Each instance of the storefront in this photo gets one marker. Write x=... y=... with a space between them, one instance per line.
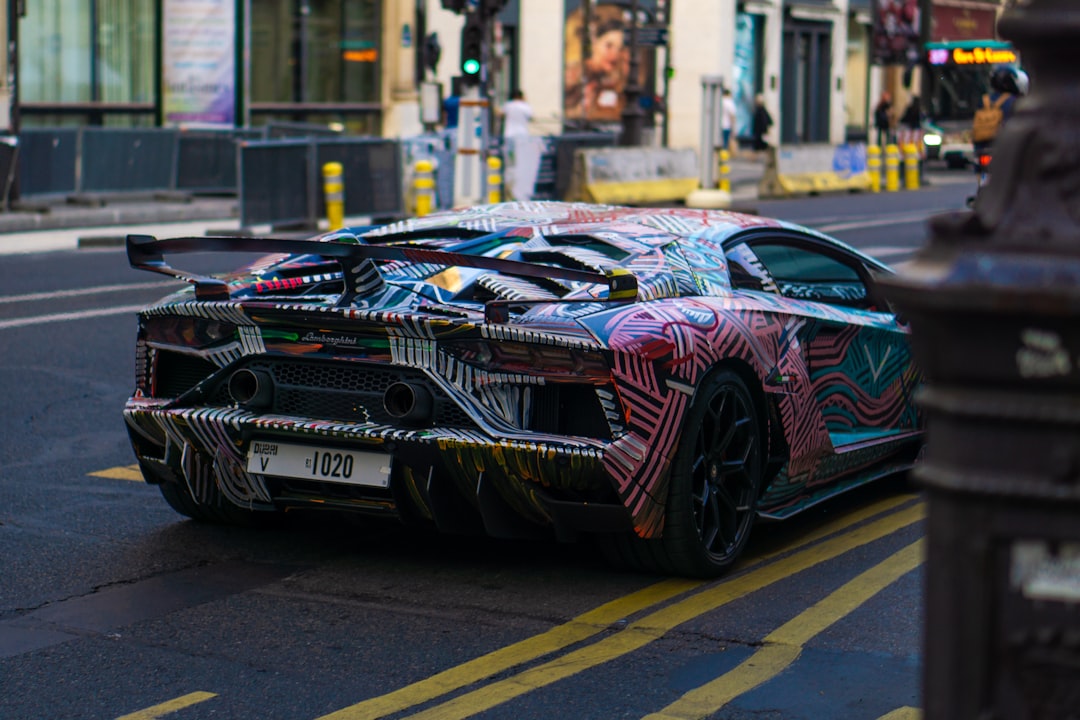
x=131 y=63
x=807 y=69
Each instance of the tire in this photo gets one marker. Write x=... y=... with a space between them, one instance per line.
x=715 y=480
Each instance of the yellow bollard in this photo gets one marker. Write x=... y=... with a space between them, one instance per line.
x=334 y=192
x=911 y=167
x=873 y=167
x=424 y=187
x=892 y=168
x=494 y=179
x=725 y=171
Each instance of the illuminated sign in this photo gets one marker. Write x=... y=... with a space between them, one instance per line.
x=369 y=55
x=971 y=56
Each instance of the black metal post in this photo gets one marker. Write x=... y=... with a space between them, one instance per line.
x=633 y=116
x=994 y=306
x=15 y=11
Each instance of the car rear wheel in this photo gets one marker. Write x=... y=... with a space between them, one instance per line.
x=715 y=479
x=714 y=486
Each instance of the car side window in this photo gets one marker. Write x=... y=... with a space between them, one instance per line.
x=803 y=273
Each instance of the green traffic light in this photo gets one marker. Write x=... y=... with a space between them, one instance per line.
x=471 y=66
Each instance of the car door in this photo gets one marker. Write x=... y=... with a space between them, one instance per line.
x=857 y=353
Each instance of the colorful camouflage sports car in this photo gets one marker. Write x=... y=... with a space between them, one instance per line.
x=657 y=377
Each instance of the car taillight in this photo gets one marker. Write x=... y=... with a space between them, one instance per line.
x=189 y=332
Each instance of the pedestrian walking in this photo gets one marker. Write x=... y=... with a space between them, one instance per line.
x=521 y=152
x=516 y=115
x=761 y=123
x=883 y=120
x=727 y=118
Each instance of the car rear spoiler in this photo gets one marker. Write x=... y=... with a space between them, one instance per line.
x=146 y=252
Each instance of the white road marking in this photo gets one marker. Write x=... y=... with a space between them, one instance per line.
x=66 y=317
x=902 y=219
x=55 y=294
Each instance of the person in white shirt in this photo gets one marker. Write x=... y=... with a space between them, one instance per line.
x=516 y=116
x=522 y=153
x=727 y=118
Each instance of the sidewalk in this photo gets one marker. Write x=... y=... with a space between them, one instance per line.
x=61 y=225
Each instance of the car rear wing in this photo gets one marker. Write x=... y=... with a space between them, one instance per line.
x=146 y=252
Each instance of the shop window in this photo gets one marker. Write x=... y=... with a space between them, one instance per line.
x=87 y=52
x=315 y=51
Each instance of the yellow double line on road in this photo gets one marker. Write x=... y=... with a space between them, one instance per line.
x=636 y=635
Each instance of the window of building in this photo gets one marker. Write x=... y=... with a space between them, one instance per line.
x=316 y=61
x=87 y=62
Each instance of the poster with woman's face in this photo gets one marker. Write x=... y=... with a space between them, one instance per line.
x=896 y=31
x=593 y=83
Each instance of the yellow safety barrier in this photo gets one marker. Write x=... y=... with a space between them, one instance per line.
x=725 y=171
x=334 y=192
x=494 y=179
x=873 y=167
x=424 y=187
x=892 y=168
x=911 y=167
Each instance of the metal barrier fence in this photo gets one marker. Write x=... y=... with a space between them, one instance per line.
x=48 y=161
x=206 y=159
x=277 y=179
x=9 y=153
x=280 y=179
x=127 y=160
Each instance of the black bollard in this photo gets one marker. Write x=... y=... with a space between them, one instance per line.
x=994 y=306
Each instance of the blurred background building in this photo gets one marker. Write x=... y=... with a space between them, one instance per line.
x=357 y=65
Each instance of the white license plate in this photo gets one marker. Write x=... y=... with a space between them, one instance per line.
x=309 y=462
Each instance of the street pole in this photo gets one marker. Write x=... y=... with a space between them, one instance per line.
x=15 y=11
x=586 y=52
x=632 y=114
x=994 y=306
x=668 y=71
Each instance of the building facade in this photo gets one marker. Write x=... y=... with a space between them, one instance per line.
x=356 y=64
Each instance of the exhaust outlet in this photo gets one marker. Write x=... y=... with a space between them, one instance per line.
x=408 y=402
x=251 y=388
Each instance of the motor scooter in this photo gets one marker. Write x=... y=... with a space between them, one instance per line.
x=982 y=172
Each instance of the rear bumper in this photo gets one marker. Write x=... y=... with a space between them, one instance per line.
x=462 y=480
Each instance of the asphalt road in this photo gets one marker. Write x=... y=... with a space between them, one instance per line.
x=112 y=605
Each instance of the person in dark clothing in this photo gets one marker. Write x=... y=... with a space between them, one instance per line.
x=912 y=118
x=883 y=120
x=761 y=124
x=1007 y=84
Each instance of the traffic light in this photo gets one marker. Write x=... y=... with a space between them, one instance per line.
x=472 y=49
x=491 y=8
x=431 y=52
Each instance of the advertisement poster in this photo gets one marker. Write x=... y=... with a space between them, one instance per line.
x=748 y=30
x=199 y=62
x=593 y=85
x=896 y=32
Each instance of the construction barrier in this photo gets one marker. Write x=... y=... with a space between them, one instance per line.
x=334 y=192
x=911 y=167
x=424 y=187
x=873 y=167
x=633 y=175
x=892 y=168
x=812 y=169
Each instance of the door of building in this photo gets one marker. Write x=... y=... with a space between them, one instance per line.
x=804 y=93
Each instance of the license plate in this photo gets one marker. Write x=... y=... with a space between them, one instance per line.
x=308 y=462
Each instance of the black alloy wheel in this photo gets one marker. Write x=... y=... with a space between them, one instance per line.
x=715 y=479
